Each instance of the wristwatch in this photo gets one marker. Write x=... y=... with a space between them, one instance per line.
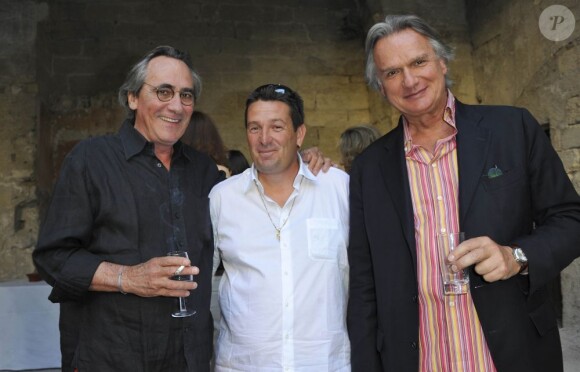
x=520 y=258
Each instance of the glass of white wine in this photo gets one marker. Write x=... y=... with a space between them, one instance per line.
x=182 y=309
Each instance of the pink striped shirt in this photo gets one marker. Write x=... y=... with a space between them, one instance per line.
x=450 y=334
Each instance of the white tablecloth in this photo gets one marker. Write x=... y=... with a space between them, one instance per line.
x=29 y=336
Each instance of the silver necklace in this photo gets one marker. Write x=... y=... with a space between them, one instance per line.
x=278 y=229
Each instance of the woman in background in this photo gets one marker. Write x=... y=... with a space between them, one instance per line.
x=353 y=141
x=202 y=134
x=237 y=162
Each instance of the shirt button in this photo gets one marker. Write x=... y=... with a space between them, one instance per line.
x=434 y=165
x=443 y=230
x=439 y=197
x=414 y=345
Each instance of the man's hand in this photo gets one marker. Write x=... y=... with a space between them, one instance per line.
x=316 y=160
x=149 y=279
x=153 y=278
x=493 y=261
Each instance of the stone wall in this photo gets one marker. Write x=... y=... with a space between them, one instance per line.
x=18 y=112
x=312 y=46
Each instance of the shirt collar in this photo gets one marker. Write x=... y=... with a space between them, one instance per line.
x=303 y=172
x=448 y=117
x=134 y=143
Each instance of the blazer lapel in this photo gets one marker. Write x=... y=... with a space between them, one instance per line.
x=394 y=172
x=472 y=148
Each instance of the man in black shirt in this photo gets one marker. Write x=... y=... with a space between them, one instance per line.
x=120 y=204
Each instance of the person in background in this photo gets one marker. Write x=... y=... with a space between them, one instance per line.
x=488 y=171
x=281 y=233
x=203 y=135
x=353 y=141
x=237 y=162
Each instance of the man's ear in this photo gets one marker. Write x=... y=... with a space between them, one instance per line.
x=443 y=66
x=133 y=101
x=382 y=90
x=300 y=135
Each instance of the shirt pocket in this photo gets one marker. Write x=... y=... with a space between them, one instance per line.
x=324 y=238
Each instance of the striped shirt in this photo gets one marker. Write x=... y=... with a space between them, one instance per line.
x=450 y=334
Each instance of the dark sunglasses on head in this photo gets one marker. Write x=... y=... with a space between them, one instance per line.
x=278 y=88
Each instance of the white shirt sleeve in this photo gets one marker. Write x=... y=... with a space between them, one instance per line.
x=214 y=210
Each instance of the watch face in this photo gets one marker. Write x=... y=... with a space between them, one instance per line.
x=520 y=256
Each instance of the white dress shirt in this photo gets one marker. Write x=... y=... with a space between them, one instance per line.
x=283 y=302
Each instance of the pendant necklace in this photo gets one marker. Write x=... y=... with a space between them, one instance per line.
x=278 y=229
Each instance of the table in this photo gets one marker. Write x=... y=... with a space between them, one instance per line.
x=29 y=336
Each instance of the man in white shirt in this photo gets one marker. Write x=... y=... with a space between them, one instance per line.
x=282 y=234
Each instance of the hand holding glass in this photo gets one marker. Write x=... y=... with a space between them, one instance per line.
x=454 y=283
x=182 y=310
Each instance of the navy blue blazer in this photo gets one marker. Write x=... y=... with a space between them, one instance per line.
x=533 y=205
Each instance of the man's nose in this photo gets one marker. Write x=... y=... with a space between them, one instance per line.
x=175 y=103
x=265 y=136
x=409 y=79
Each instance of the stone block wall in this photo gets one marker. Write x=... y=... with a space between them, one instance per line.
x=18 y=113
x=314 y=47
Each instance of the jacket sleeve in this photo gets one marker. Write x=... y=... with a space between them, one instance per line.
x=555 y=241
x=60 y=255
x=362 y=306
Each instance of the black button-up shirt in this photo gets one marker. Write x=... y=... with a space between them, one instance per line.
x=114 y=201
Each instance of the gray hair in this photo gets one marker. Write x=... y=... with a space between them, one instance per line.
x=138 y=73
x=398 y=23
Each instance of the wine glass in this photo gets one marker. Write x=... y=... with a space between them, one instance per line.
x=182 y=310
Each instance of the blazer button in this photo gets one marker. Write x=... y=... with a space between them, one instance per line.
x=414 y=345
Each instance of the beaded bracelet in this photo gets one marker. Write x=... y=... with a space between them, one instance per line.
x=120 y=280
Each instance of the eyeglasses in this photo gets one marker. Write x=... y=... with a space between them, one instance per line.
x=165 y=94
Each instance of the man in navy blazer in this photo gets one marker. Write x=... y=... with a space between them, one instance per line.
x=515 y=203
